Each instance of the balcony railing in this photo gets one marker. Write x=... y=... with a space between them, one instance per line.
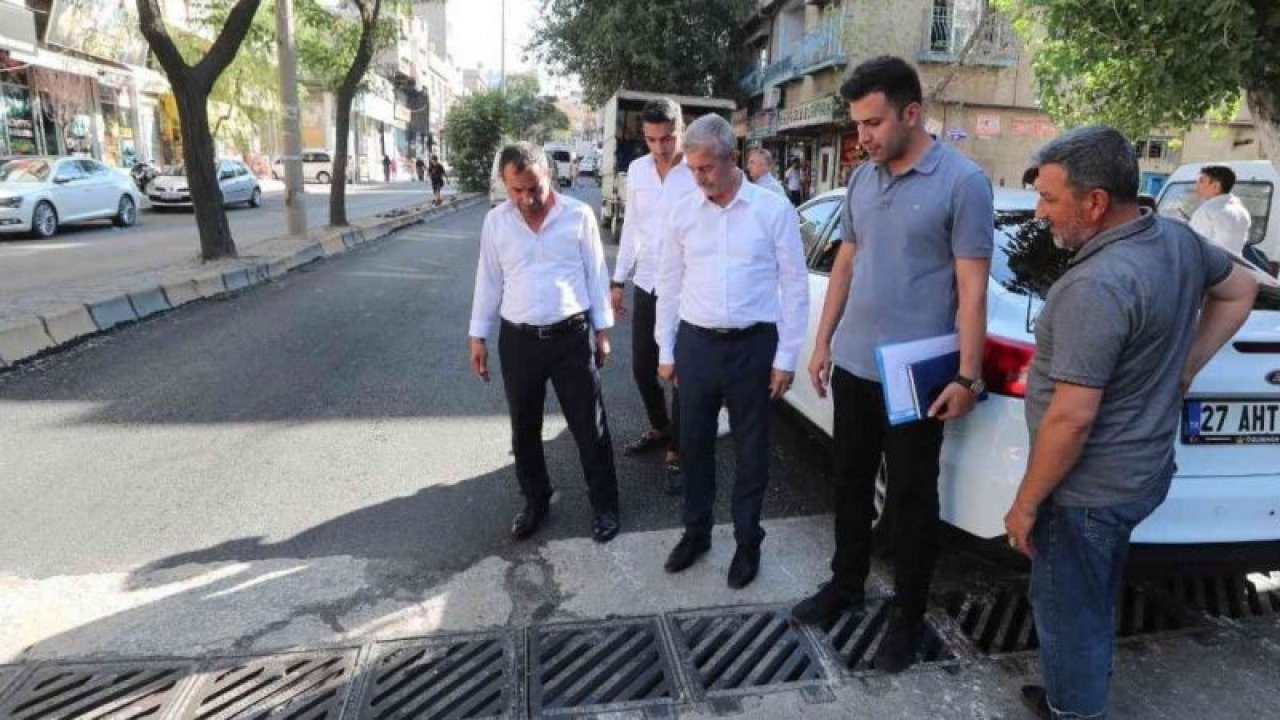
x=753 y=82
x=779 y=71
x=948 y=28
x=820 y=46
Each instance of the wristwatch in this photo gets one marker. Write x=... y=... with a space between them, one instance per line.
x=977 y=387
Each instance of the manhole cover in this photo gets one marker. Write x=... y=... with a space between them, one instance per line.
x=611 y=664
x=855 y=635
x=124 y=691
x=735 y=650
x=309 y=686
x=443 y=678
x=1238 y=597
x=999 y=620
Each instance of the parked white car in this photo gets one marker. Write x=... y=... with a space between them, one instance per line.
x=317 y=166
x=1225 y=497
x=169 y=188
x=37 y=194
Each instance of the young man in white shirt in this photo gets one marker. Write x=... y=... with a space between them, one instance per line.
x=1221 y=218
x=760 y=170
x=795 y=182
x=733 y=299
x=654 y=183
x=543 y=281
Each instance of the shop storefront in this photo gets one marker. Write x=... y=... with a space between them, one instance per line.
x=19 y=132
x=812 y=132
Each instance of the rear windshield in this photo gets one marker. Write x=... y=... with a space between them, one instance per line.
x=1025 y=260
x=1179 y=200
x=560 y=155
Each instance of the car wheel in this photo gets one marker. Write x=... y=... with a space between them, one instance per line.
x=255 y=199
x=126 y=212
x=322 y=177
x=44 y=220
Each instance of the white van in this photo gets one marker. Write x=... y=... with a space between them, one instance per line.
x=498 y=190
x=1257 y=184
x=317 y=166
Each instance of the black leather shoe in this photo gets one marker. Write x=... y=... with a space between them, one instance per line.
x=689 y=549
x=672 y=479
x=897 y=650
x=745 y=565
x=1034 y=697
x=647 y=442
x=528 y=520
x=824 y=607
x=605 y=527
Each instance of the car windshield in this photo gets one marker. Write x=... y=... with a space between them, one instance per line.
x=176 y=170
x=25 y=170
x=1025 y=260
x=1179 y=201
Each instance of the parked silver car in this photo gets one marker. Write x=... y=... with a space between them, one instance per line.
x=39 y=193
x=169 y=189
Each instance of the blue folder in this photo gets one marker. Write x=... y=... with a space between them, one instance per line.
x=928 y=377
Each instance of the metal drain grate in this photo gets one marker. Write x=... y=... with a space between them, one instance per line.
x=1239 y=597
x=292 y=687
x=729 y=651
x=999 y=620
x=591 y=666
x=96 y=692
x=446 y=678
x=856 y=634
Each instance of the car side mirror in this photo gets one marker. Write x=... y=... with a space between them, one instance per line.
x=61 y=180
x=226 y=176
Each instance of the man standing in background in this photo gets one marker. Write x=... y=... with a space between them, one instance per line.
x=1221 y=217
x=760 y=170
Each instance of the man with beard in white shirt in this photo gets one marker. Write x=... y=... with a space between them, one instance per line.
x=542 y=280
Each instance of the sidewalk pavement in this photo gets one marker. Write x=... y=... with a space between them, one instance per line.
x=81 y=312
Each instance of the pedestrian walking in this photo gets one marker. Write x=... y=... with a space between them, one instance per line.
x=912 y=264
x=437 y=172
x=543 y=284
x=1120 y=338
x=760 y=170
x=386 y=168
x=733 y=301
x=1221 y=218
x=794 y=179
x=420 y=167
x=655 y=182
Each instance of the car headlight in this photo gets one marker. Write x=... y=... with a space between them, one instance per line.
x=11 y=202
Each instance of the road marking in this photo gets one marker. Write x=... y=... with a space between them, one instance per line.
x=20 y=250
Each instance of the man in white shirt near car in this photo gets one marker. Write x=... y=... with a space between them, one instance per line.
x=1221 y=217
x=733 y=302
x=542 y=282
x=654 y=183
x=760 y=170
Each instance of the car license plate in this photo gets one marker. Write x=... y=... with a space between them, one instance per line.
x=1211 y=422
x=170 y=195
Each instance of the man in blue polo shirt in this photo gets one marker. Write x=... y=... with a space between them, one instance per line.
x=917 y=249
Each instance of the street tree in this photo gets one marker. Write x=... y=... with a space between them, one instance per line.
x=478 y=123
x=366 y=43
x=192 y=83
x=1159 y=63
x=688 y=47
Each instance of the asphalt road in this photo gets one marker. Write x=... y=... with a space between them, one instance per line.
x=85 y=252
x=331 y=413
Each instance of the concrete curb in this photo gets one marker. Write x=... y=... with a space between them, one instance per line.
x=49 y=331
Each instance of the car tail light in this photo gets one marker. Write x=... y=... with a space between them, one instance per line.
x=1005 y=366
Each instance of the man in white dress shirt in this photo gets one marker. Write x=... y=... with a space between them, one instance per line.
x=733 y=301
x=760 y=169
x=543 y=283
x=1221 y=218
x=654 y=182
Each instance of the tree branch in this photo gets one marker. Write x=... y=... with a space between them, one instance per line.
x=151 y=23
x=224 y=49
x=984 y=17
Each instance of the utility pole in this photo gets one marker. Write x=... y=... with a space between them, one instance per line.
x=294 y=200
x=503 y=82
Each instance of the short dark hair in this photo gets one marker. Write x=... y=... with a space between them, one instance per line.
x=663 y=110
x=522 y=156
x=1096 y=157
x=1225 y=176
x=886 y=74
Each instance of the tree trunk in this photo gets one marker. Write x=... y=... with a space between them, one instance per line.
x=202 y=174
x=1264 y=106
x=369 y=11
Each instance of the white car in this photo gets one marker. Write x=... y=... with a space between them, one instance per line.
x=169 y=188
x=1225 y=497
x=317 y=166
x=37 y=194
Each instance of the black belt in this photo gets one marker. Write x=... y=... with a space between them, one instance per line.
x=730 y=332
x=542 y=332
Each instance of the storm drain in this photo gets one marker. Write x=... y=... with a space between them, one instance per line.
x=442 y=679
x=730 y=651
x=999 y=620
x=614 y=664
x=856 y=634
x=288 y=687
x=96 y=692
x=1238 y=597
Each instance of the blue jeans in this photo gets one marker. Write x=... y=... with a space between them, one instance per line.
x=1080 y=557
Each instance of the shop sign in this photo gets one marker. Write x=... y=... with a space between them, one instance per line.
x=988 y=125
x=1021 y=127
x=1045 y=128
x=955 y=134
x=815 y=112
x=102 y=29
x=761 y=125
x=739 y=120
